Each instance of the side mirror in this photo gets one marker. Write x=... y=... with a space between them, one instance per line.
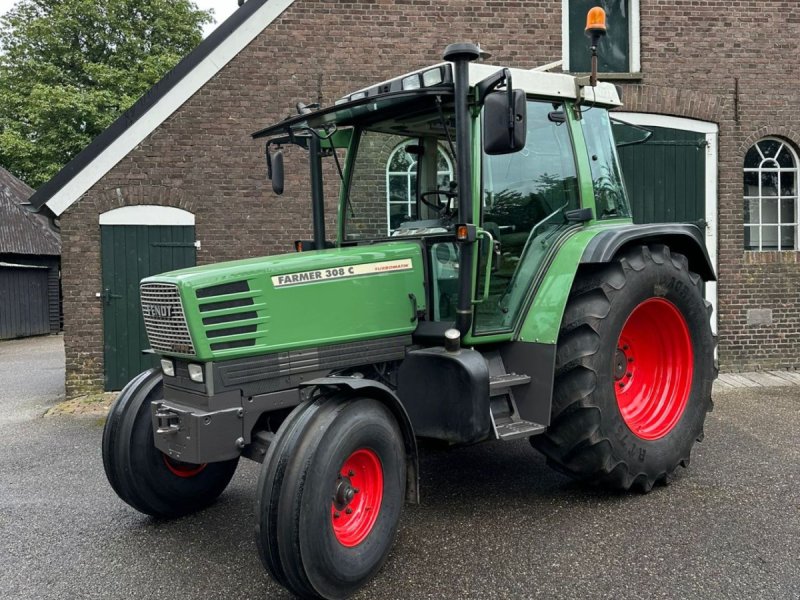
x=505 y=122
x=276 y=164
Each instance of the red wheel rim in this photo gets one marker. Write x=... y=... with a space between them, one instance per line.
x=182 y=469
x=653 y=369
x=357 y=497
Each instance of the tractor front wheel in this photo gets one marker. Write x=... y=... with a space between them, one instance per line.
x=634 y=370
x=140 y=474
x=330 y=494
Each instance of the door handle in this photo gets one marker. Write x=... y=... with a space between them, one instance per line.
x=107 y=296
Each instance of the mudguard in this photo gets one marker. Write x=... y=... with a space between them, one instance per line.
x=380 y=392
x=680 y=237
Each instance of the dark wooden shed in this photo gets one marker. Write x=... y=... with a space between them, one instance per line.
x=30 y=256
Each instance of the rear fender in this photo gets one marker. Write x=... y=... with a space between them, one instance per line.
x=684 y=238
x=380 y=392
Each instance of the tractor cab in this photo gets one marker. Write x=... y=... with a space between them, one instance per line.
x=526 y=141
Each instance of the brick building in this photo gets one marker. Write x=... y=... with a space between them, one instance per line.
x=715 y=79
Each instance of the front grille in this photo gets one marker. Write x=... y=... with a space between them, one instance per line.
x=164 y=319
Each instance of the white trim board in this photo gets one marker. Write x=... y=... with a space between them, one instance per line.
x=172 y=101
x=145 y=214
x=711 y=131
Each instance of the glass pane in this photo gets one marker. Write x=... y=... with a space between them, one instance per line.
x=769 y=237
x=788 y=184
x=769 y=211
x=769 y=184
x=787 y=210
x=785 y=158
x=769 y=148
x=751 y=211
x=751 y=238
x=788 y=235
x=609 y=192
x=441 y=163
x=753 y=159
x=442 y=181
x=613 y=49
x=444 y=266
x=399 y=214
x=398 y=188
x=751 y=184
x=401 y=160
x=525 y=196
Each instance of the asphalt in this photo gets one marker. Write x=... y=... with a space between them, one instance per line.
x=495 y=521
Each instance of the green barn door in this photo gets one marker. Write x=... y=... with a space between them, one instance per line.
x=130 y=253
x=666 y=177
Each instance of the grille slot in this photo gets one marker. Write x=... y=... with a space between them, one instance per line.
x=240 y=311
x=164 y=319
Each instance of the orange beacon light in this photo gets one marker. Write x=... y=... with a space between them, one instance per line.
x=595 y=29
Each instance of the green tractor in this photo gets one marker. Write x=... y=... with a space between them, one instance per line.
x=486 y=282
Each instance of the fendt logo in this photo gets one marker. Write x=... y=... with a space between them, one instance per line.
x=157 y=311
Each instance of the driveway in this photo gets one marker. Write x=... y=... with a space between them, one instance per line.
x=495 y=521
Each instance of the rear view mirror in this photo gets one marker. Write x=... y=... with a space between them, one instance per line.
x=505 y=122
x=277 y=172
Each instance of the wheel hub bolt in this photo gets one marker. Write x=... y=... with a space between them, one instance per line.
x=336 y=515
x=629 y=374
x=351 y=473
x=356 y=490
x=349 y=511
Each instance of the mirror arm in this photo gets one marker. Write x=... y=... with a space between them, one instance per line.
x=269 y=160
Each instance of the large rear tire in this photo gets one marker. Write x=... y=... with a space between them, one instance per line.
x=143 y=476
x=330 y=495
x=634 y=370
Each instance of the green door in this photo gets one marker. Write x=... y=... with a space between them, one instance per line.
x=130 y=253
x=666 y=177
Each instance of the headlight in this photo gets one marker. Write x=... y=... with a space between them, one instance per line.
x=168 y=367
x=432 y=77
x=196 y=373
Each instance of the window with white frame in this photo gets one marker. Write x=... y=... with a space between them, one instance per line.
x=770 y=196
x=401 y=183
x=618 y=51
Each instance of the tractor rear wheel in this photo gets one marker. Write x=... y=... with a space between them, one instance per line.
x=634 y=370
x=330 y=494
x=141 y=475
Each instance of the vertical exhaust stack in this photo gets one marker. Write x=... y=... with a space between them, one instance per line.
x=461 y=54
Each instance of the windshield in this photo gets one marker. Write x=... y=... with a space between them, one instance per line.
x=402 y=177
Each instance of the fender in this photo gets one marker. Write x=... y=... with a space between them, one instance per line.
x=684 y=238
x=378 y=391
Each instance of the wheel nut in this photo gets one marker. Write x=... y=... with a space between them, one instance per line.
x=629 y=374
x=630 y=359
x=349 y=511
x=356 y=490
x=625 y=347
x=351 y=473
x=621 y=384
x=336 y=515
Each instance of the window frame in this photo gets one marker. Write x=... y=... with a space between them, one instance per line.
x=408 y=174
x=635 y=41
x=760 y=197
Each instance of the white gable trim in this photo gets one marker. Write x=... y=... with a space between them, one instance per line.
x=146 y=214
x=172 y=101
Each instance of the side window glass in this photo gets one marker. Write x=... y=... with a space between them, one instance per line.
x=609 y=190
x=525 y=195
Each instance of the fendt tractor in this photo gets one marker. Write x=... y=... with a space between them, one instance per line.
x=486 y=282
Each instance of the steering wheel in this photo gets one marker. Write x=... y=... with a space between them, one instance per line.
x=442 y=210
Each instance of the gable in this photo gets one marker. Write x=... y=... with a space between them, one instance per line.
x=157 y=105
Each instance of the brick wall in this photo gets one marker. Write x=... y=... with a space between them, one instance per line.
x=202 y=158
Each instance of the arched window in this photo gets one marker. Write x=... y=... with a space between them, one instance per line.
x=770 y=196
x=401 y=183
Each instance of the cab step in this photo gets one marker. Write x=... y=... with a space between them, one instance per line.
x=500 y=383
x=513 y=430
x=506 y=422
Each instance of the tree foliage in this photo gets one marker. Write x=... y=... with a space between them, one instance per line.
x=68 y=68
